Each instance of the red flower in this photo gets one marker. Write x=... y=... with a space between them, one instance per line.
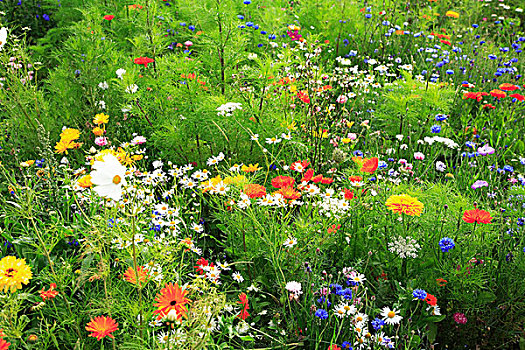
x=303 y=96
x=245 y=307
x=356 y=178
x=143 y=60
x=370 y=165
x=327 y=180
x=477 y=215
x=441 y=282
x=200 y=264
x=508 y=87
x=348 y=194
x=488 y=106
x=431 y=300
x=518 y=97
x=300 y=166
x=171 y=297
x=333 y=228
x=318 y=178
x=446 y=42
x=334 y=347
x=101 y=326
x=49 y=294
x=308 y=175
x=282 y=181
x=289 y=192
x=4 y=345
x=255 y=190
x=498 y=93
x=109 y=17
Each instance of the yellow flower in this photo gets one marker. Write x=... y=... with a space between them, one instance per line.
x=235 y=180
x=13 y=272
x=346 y=140
x=101 y=118
x=85 y=181
x=404 y=204
x=69 y=134
x=250 y=168
x=62 y=146
x=98 y=131
x=452 y=14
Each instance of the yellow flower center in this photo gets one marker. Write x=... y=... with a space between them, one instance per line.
x=116 y=179
x=391 y=314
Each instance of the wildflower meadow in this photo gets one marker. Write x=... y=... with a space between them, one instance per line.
x=258 y=174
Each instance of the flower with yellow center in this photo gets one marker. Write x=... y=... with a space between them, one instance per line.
x=391 y=316
x=98 y=131
x=101 y=118
x=69 y=134
x=452 y=14
x=13 y=273
x=404 y=204
x=85 y=181
x=108 y=177
x=250 y=168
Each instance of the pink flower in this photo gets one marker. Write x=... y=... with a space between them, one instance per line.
x=342 y=99
x=419 y=156
x=352 y=136
x=101 y=141
x=188 y=43
x=460 y=318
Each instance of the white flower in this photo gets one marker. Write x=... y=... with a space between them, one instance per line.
x=391 y=316
x=138 y=140
x=440 y=166
x=294 y=287
x=237 y=277
x=404 y=247
x=252 y=56
x=290 y=242
x=131 y=89
x=120 y=72
x=108 y=177
x=3 y=37
x=254 y=137
x=272 y=140
x=103 y=85
x=228 y=108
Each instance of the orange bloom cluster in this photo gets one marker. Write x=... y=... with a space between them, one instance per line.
x=478 y=96
x=140 y=276
x=254 y=190
x=289 y=192
x=101 y=327
x=282 y=181
x=404 y=204
x=477 y=215
x=49 y=294
x=303 y=96
x=3 y=344
x=368 y=165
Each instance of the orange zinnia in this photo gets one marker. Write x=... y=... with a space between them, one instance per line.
x=404 y=204
x=102 y=326
x=131 y=275
x=289 y=192
x=171 y=297
x=282 y=181
x=508 y=87
x=498 y=93
x=370 y=165
x=477 y=215
x=255 y=190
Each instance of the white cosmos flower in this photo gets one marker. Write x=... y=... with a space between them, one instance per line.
x=108 y=177
x=391 y=316
x=3 y=37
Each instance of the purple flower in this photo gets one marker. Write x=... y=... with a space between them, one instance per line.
x=486 y=150
x=479 y=184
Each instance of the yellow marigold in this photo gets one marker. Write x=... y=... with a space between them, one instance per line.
x=250 y=168
x=235 y=180
x=85 y=181
x=13 y=272
x=69 y=134
x=101 y=118
x=452 y=14
x=404 y=203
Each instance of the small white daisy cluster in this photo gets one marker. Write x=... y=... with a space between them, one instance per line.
x=404 y=247
x=227 y=109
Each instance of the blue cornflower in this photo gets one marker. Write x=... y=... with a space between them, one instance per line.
x=419 y=294
x=441 y=117
x=345 y=293
x=382 y=164
x=322 y=314
x=247 y=2
x=323 y=300
x=40 y=162
x=358 y=153
x=45 y=17
x=347 y=345
x=508 y=168
x=336 y=288
x=446 y=244
x=192 y=27
x=378 y=323
x=368 y=15
x=77 y=72
x=435 y=129
x=449 y=71
x=524 y=249
x=241 y=17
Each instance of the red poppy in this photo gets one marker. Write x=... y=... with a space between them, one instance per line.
x=143 y=60
x=518 y=97
x=498 y=93
x=303 y=96
x=446 y=42
x=245 y=307
x=488 y=106
x=477 y=215
x=255 y=190
x=318 y=178
x=282 y=181
x=508 y=87
x=431 y=300
x=348 y=194
x=370 y=165
x=109 y=17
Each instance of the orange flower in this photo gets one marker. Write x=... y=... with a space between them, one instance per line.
x=477 y=215
x=255 y=190
x=131 y=275
x=49 y=294
x=452 y=14
x=441 y=282
x=289 y=192
x=171 y=297
x=85 y=181
x=98 y=131
x=308 y=175
x=4 y=345
x=370 y=165
x=102 y=326
x=404 y=204
x=518 y=97
x=282 y=181
x=250 y=168
x=508 y=87
x=498 y=93
x=244 y=302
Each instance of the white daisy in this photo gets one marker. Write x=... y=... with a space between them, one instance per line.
x=391 y=316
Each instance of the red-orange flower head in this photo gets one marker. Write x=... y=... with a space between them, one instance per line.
x=4 y=345
x=289 y=192
x=144 y=61
x=49 y=294
x=431 y=300
x=308 y=175
x=508 y=87
x=255 y=190
x=282 y=181
x=370 y=165
x=171 y=297
x=498 y=93
x=245 y=307
x=349 y=194
x=299 y=166
x=518 y=97
x=140 y=276
x=477 y=215
x=109 y=17
x=102 y=326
